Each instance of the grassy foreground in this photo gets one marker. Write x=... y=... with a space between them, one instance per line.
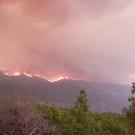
x=18 y=117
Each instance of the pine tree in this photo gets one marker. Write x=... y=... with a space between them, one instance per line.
x=81 y=103
x=83 y=116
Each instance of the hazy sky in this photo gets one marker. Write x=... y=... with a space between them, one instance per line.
x=82 y=39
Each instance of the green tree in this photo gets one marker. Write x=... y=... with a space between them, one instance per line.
x=81 y=104
x=84 y=119
x=80 y=121
x=130 y=112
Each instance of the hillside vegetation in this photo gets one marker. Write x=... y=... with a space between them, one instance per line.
x=80 y=121
x=19 y=117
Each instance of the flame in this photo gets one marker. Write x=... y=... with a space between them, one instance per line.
x=18 y=73
x=28 y=75
x=15 y=73
x=58 y=79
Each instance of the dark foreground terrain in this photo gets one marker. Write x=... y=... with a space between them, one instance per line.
x=21 y=117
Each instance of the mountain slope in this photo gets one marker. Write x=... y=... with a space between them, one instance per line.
x=102 y=97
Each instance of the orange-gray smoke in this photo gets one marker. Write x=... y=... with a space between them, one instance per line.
x=82 y=39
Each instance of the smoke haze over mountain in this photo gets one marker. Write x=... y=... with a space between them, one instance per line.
x=82 y=39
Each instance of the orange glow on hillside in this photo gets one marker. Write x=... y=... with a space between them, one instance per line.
x=58 y=78
x=53 y=79
x=27 y=74
x=16 y=73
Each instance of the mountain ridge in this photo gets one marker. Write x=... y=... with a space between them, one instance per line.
x=102 y=97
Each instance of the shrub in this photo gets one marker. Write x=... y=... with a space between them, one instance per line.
x=80 y=121
x=17 y=117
